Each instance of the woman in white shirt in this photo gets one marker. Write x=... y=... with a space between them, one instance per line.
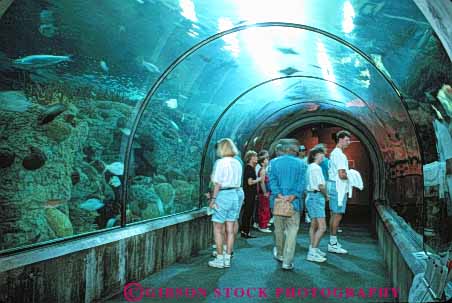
x=226 y=199
x=315 y=203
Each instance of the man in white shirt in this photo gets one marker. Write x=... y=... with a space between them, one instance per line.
x=337 y=172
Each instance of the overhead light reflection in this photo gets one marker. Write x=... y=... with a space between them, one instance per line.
x=232 y=42
x=349 y=14
x=327 y=68
x=188 y=10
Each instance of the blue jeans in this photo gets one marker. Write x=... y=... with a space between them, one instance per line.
x=228 y=203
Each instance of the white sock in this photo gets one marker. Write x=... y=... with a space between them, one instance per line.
x=333 y=239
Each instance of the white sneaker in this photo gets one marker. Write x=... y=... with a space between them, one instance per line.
x=307 y=219
x=287 y=266
x=214 y=252
x=275 y=254
x=321 y=253
x=255 y=225
x=313 y=257
x=227 y=260
x=218 y=262
x=271 y=221
x=265 y=230
x=336 y=248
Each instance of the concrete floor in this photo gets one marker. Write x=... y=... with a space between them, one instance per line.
x=254 y=267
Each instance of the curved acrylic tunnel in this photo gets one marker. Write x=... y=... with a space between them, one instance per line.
x=400 y=148
x=108 y=125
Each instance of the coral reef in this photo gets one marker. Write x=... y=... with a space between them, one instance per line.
x=59 y=222
x=66 y=142
x=6 y=157
x=35 y=159
x=51 y=112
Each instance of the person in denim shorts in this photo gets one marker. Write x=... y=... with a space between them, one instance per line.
x=337 y=173
x=226 y=200
x=315 y=203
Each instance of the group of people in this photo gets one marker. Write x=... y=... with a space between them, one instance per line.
x=305 y=182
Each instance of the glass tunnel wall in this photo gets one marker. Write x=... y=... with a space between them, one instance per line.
x=67 y=115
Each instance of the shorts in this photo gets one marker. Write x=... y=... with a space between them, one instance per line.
x=315 y=204
x=228 y=203
x=331 y=186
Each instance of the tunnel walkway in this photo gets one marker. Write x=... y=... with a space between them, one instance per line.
x=254 y=267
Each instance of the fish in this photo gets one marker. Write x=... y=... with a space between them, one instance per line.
x=287 y=51
x=355 y=103
x=92 y=204
x=116 y=168
x=111 y=222
x=46 y=17
x=365 y=83
x=53 y=203
x=365 y=73
x=205 y=58
x=51 y=112
x=114 y=181
x=171 y=103
x=104 y=66
x=289 y=71
x=346 y=60
x=312 y=107
x=174 y=125
x=150 y=67
x=125 y=131
x=35 y=61
x=14 y=101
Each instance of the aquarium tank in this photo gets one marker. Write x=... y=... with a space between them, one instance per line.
x=110 y=109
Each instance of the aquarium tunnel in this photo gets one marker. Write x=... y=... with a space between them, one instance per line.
x=110 y=111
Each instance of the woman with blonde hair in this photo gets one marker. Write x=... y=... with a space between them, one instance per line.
x=226 y=199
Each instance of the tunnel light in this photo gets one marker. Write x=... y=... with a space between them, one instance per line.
x=270 y=10
x=349 y=14
x=188 y=10
x=231 y=40
x=327 y=69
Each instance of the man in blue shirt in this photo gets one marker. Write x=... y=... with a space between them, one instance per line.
x=287 y=180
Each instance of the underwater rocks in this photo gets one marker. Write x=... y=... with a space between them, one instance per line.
x=167 y=193
x=59 y=222
x=75 y=177
x=51 y=112
x=184 y=192
x=6 y=158
x=175 y=174
x=58 y=131
x=35 y=160
x=145 y=203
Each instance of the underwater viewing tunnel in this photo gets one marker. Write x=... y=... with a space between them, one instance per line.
x=110 y=112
